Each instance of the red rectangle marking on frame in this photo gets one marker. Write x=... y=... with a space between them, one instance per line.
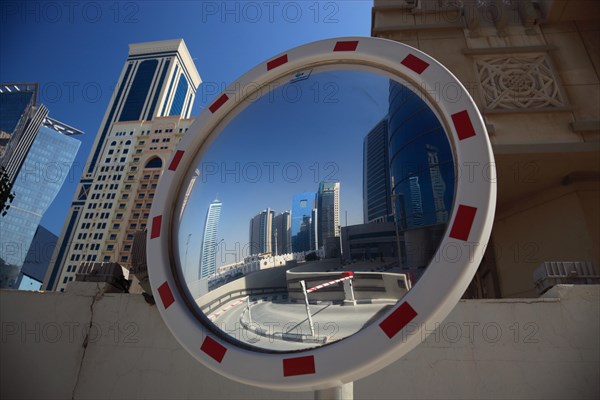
x=217 y=104
x=176 y=159
x=398 y=319
x=465 y=215
x=463 y=125
x=214 y=349
x=166 y=296
x=277 y=62
x=346 y=46
x=299 y=366
x=415 y=63
x=156 y=224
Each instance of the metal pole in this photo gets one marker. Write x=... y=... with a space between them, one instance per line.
x=248 y=308
x=343 y=392
x=310 y=321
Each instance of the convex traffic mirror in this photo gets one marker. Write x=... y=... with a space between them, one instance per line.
x=317 y=217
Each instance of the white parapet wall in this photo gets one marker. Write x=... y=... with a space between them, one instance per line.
x=114 y=346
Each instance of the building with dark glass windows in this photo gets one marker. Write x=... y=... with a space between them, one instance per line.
x=303 y=223
x=328 y=211
x=421 y=174
x=37 y=153
x=377 y=206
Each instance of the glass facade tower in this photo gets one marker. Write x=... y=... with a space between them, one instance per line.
x=302 y=222
x=422 y=175
x=40 y=177
x=328 y=211
x=208 y=256
x=377 y=206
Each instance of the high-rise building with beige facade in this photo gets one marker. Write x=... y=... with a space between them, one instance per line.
x=145 y=119
x=533 y=68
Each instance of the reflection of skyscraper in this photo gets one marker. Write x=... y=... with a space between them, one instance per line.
x=328 y=211
x=438 y=186
x=282 y=227
x=377 y=205
x=302 y=208
x=261 y=232
x=208 y=256
x=421 y=163
x=416 y=202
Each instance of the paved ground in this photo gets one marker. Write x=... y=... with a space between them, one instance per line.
x=280 y=325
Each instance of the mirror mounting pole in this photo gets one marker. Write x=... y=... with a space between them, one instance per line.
x=342 y=392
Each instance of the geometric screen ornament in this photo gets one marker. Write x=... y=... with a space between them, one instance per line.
x=518 y=82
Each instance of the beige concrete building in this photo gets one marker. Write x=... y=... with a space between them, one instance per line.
x=533 y=69
x=146 y=117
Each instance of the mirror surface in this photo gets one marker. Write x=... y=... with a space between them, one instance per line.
x=315 y=209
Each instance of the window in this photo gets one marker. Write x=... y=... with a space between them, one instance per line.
x=154 y=162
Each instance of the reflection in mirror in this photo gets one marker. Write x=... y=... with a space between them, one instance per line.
x=315 y=209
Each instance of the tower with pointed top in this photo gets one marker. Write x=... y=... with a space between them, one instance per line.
x=208 y=256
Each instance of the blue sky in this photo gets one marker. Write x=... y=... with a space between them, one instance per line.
x=281 y=145
x=75 y=50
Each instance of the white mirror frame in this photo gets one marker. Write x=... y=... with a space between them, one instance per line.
x=416 y=314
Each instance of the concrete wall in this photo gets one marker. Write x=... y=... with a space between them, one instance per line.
x=115 y=346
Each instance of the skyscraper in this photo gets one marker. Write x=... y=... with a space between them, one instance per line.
x=328 y=211
x=377 y=206
x=302 y=210
x=438 y=186
x=416 y=202
x=144 y=120
x=208 y=256
x=37 y=153
x=261 y=232
x=282 y=229
x=421 y=163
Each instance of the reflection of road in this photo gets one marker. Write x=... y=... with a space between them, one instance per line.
x=280 y=325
